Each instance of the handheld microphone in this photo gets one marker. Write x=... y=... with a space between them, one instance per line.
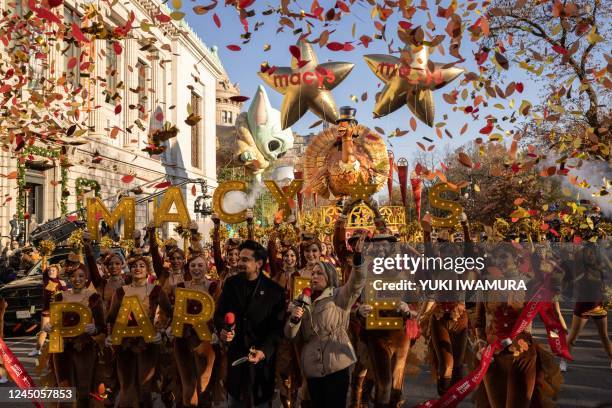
x=229 y=322
x=302 y=300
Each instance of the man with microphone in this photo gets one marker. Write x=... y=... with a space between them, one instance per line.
x=249 y=318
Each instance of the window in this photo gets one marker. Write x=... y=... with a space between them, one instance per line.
x=72 y=54
x=143 y=75
x=227 y=117
x=196 y=102
x=112 y=72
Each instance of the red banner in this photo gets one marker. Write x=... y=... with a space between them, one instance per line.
x=402 y=175
x=417 y=191
x=16 y=371
x=300 y=197
x=463 y=388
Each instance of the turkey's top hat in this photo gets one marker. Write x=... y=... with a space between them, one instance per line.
x=347 y=113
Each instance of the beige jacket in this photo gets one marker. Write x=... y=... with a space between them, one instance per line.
x=324 y=328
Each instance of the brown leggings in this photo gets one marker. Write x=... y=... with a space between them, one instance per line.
x=388 y=352
x=288 y=377
x=449 y=340
x=194 y=361
x=136 y=372
x=76 y=368
x=510 y=380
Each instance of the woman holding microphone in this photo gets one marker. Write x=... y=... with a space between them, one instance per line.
x=327 y=353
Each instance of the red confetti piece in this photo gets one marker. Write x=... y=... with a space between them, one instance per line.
x=519 y=87
x=348 y=47
x=163 y=18
x=78 y=34
x=335 y=46
x=193 y=190
x=481 y=57
x=117 y=48
x=48 y=15
x=163 y=185
x=217 y=20
x=118 y=109
x=128 y=178
x=239 y=98
x=559 y=50
x=72 y=62
x=245 y=3
x=295 y=51
x=233 y=47
x=365 y=40
x=55 y=3
x=5 y=88
x=487 y=129
x=404 y=25
x=343 y=6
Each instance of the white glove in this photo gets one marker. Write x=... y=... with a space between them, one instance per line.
x=404 y=308
x=364 y=310
x=47 y=327
x=157 y=339
x=464 y=217
x=169 y=333
x=214 y=339
x=90 y=329
x=108 y=342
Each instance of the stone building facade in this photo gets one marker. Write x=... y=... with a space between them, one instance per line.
x=160 y=71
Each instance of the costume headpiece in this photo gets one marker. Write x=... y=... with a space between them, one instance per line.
x=347 y=113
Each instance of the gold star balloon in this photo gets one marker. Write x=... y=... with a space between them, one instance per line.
x=410 y=83
x=306 y=85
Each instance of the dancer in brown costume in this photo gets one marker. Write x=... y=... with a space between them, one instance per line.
x=195 y=358
x=76 y=365
x=137 y=360
x=523 y=374
x=168 y=277
x=448 y=321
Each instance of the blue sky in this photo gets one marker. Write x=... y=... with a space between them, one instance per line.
x=243 y=66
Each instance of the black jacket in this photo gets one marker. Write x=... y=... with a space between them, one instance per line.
x=259 y=323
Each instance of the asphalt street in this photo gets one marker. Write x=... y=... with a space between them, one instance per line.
x=587 y=383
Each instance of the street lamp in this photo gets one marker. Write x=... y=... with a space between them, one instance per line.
x=203 y=203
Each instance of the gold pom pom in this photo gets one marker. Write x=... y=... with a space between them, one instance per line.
x=46 y=247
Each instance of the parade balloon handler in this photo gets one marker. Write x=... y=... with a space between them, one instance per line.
x=258 y=304
x=327 y=353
